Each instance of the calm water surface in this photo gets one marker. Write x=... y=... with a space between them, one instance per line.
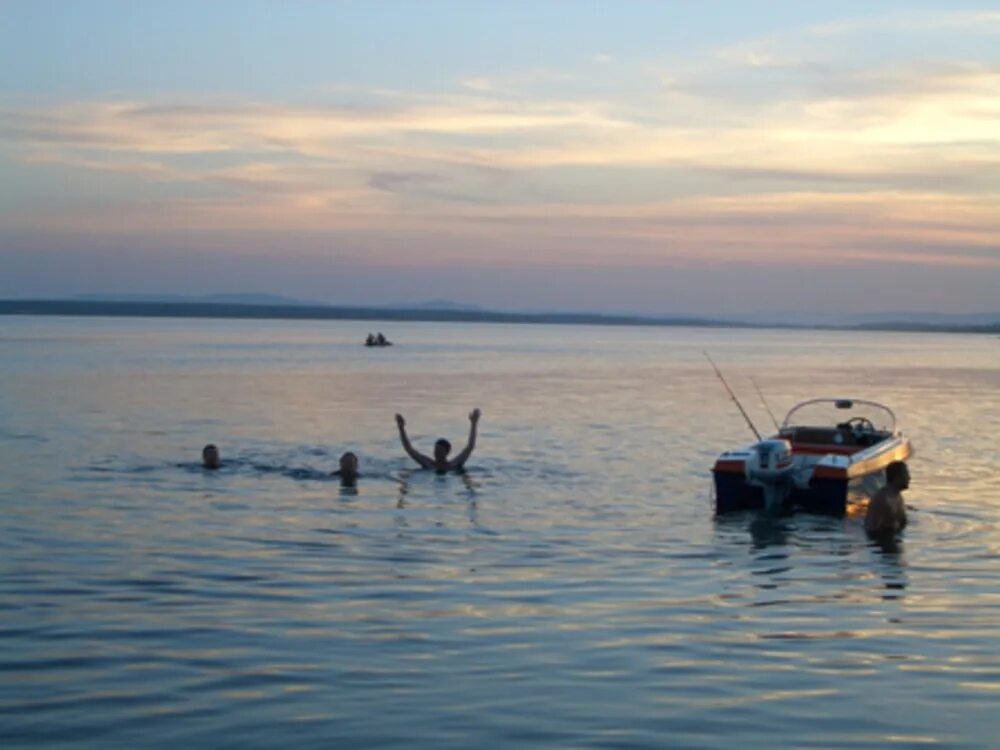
x=572 y=590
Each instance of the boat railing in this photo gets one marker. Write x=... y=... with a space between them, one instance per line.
x=850 y=406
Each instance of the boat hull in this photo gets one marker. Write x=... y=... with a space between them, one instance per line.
x=825 y=496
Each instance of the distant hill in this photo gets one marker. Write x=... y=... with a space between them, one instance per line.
x=928 y=318
x=888 y=318
x=221 y=299
x=441 y=304
x=258 y=299
x=189 y=308
x=245 y=307
x=274 y=300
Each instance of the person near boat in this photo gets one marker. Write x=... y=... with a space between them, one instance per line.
x=440 y=462
x=886 y=511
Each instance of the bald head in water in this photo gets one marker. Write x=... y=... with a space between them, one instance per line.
x=210 y=457
x=441 y=450
x=348 y=471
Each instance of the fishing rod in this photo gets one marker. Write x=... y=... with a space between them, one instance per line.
x=732 y=395
x=763 y=401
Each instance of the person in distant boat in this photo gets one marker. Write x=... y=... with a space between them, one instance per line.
x=886 y=513
x=440 y=462
x=370 y=341
x=210 y=457
x=348 y=471
x=380 y=340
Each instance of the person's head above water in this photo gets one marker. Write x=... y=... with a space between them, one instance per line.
x=348 y=466
x=441 y=450
x=897 y=475
x=210 y=457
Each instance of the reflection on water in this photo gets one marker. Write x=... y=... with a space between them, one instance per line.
x=570 y=589
x=891 y=565
x=767 y=532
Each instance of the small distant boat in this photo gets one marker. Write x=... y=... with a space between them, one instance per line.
x=817 y=461
x=379 y=340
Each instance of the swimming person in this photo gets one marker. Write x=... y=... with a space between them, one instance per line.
x=210 y=457
x=886 y=513
x=348 y=471
x=442 y=447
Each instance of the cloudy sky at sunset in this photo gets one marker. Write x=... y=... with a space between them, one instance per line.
x=654 y=157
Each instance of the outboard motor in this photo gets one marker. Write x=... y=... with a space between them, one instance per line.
x=770 y=467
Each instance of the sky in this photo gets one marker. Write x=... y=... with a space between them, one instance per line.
x=636 y=156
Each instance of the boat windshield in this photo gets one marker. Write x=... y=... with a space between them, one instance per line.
x=828 y=412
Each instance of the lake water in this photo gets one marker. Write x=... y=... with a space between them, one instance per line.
x=573 y=589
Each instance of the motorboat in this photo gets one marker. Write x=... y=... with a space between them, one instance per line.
x=827 y=452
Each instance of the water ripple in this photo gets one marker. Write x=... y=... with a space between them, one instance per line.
x=571 y=590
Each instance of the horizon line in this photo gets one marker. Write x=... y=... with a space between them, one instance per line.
x=322 y=311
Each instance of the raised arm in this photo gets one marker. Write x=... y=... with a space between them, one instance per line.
x=462 y=457
x=424 y=461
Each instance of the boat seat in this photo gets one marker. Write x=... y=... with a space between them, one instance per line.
x=821 y=436
x=821 y=440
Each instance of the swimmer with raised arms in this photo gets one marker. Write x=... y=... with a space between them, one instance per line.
x=440 y=462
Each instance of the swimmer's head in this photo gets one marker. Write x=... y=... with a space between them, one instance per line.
x=441 y=450
x=210 y=457
x=348 y=465
x=897 y=475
